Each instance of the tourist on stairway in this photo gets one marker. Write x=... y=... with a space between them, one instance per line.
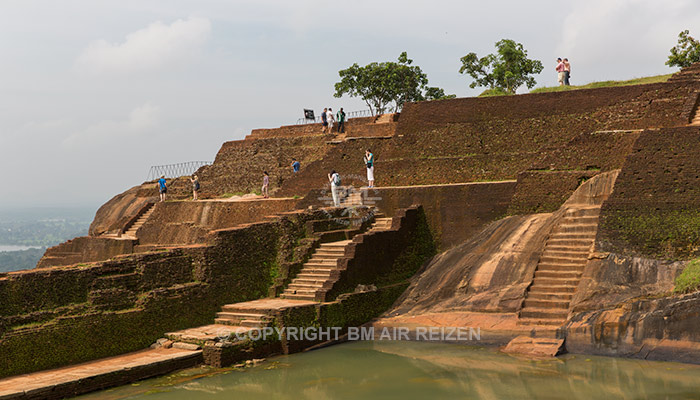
x=265 y=186
x=295 y=165
x=369 y=163
x=334 y=179
x=195 y=186
x=341 y=120
x=162 y=188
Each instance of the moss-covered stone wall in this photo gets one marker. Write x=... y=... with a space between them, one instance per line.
x=65 y=315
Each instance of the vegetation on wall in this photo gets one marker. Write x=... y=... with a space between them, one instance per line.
x=689 y=280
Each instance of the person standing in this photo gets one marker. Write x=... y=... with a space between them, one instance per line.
x=162 y=187
x=334 y=179
x=330 y=118
x=295 y=165
x=369 y=163
x=567 y=72
x=195 y=186
x=324 y=120
x=266 y=185
x=560 y=71
x=341 y=120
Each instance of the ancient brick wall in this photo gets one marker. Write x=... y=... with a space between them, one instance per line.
x=85 y=249
x=188 y=222
x=653 y=210
x=65 y=315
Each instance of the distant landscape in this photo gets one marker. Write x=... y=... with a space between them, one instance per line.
x=32 y=230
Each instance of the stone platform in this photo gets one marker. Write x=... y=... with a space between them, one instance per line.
x=96 y=375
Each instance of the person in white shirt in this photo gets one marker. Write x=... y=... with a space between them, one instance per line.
x=334 y=179
x=330 y=118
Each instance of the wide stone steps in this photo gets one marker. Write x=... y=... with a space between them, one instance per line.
x=548 y=303
x=576 y=228
x=550 y=296
x=582 y=212
x=563 y=290
x=539 y=322
x=248 y=320
x=298 y=297
x=563 y=260
x=544 y=313
x=558 y=274
x=586 y=220
x=572 y=236
x=555 y=281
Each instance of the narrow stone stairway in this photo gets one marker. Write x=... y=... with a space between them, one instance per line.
x=560 y=268
x=696 y=116
x=130 y=232
x=237 y=315
x=352 y=199
x=318 y=273
x=321 y=271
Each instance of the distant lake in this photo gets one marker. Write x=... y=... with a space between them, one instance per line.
x=12 y=247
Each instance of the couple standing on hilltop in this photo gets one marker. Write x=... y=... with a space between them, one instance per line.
x=563 y=71
x=327 y=120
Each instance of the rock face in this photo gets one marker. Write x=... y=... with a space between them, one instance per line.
x=116 y=213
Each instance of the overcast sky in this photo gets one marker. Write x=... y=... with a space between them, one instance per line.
x=92 y=93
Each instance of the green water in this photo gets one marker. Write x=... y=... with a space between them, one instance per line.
x=417 y=370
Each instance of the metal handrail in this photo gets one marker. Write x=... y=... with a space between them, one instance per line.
x=348 y=115
x=176 y=170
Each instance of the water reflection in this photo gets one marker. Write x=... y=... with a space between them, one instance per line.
x=410 y=370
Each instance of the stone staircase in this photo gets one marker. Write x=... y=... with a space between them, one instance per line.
x=130 y=231
x=695 y=121
x=352 y=199
x=560 y=268
x=385 y=118
x=321 y=271
x=238 y=315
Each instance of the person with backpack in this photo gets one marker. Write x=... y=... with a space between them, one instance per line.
x=162 y=187
x=334 y=179
x=295 y=165
x=195 y=186
x=341 y=120
x=369 y=163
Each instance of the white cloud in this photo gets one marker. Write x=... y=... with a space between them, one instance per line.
x=141 y=120
x=147 y=49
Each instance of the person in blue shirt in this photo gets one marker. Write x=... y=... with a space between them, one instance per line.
x=162 y=187
x=295 y=165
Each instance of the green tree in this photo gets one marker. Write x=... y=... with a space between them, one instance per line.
x=507 y=70
x=436 y=93
x=385 y=85
x=686 y=52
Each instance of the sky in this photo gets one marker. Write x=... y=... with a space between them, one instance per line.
x=94 y=92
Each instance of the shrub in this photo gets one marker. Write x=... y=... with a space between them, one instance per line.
x=494 y=92
x=689 y=280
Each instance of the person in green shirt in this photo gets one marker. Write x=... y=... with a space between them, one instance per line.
x=340 y=117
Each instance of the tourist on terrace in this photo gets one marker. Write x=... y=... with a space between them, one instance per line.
x=330 y=119
x=567 y=72
x=266 y=185
x=324 y=120
x=369 y=163
x=334 y=179
x=295 y=165
x=341 y=120
x=560 y=71
x=195 y=186
x=162 y=187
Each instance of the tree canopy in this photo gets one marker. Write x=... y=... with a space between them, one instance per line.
x=506 y=70
x=686 y=52
x=387 y=85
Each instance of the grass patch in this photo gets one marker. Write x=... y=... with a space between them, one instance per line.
x=595 y=85
x=689 y=280
x=494 y=92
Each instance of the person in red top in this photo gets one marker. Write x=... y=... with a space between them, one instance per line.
x=560 y=71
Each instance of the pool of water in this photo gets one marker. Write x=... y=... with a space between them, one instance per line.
x=417 y=370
